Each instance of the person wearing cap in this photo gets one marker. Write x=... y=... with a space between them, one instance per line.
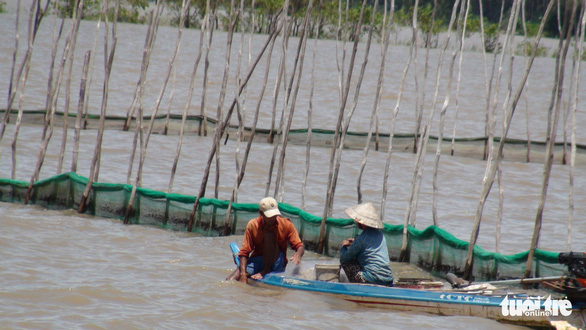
x=365 y=259
x=264 y=246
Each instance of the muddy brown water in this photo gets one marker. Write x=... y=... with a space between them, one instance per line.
x=63 y=270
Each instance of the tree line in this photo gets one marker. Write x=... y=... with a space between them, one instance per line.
x=432 y=16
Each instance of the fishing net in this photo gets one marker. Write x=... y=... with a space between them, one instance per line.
x=432 y=248
x=514 y=149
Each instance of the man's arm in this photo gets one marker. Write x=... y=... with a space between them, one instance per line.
x=349 y=252
x=243 y=274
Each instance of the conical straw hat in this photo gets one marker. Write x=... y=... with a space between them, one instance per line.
x=365 y=214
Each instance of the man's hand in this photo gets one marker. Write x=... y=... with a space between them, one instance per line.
x=296 y=258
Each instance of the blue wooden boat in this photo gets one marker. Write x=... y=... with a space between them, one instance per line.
x=543 y=310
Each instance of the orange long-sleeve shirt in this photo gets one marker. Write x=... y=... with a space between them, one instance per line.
x=252 y=244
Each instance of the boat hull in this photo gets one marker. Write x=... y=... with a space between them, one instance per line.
x=435 y=302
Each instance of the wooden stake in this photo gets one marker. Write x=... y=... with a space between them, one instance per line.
x=377 y=99
x=189 y=98
x=338 y=145
x=108 y=60
x=577 y=60
x=53 y=96
x=144 y=144
x=492 y=164
x=222 y=127
x=80 y=108
x=565 y=40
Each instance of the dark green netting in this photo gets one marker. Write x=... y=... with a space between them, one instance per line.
x=432 y=248
x=514 y=150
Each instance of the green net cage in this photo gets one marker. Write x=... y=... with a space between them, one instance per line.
x=433 y=248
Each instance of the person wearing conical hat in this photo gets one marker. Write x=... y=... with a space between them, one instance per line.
x=264 y=246
x=365 y=258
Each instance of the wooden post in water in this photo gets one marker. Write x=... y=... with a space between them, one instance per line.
x=203 y=124
x=391 y=135
x=242 y=168
x=491 y=115
x=80 y=107
x=36 y=14
x=108 y=60
x=492 y=164
x=71 y=56
x=299 y=60
x=189 y=98
x=577 y=64
x=555 y=105
x=461 y=28
x=341 y=129
x=281 y=76
x=11 y=81
x=52 y=97
x=222 y=125
x=139 y=95
x=310 y=110
x=377 y=99
x=144 y=144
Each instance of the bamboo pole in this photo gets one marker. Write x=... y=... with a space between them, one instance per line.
x=36 y=14
x=419 y=104
x=457 y=97
x=338 y=144
x=91 y=74
x=419 y=164
x=310 y=110
x=14 y=56
x=242 y=167
x=52 y=86
x=464 y=8
x=74 y=34
x=565 y=40
x=501 y=202
x=139 y=96
x=168 y=116
x=299 y=61
x=222 y=127
x=494 y=158
x=109 y=52
x=80 y=107
x=220 y=108
x=412 y=56
x=527 y=88
x=189 y=96
x=148 y=41
x=203 y=124
x=241 y=113
x=492 y=164
x=341 y=88
x=282 y=73
x=377 y=99
x=489 y=118
x=390 y=147
x=577 y=60
x=53 y=96
x=144 y=144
